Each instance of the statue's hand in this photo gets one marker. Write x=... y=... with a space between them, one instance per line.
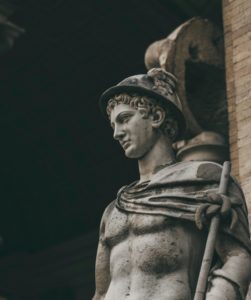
x=216 y=204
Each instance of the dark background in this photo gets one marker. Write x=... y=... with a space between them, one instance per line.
x=59 y=164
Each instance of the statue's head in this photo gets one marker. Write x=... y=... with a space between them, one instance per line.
x=143 y=107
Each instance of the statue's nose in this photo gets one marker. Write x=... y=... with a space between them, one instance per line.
x=118 y=132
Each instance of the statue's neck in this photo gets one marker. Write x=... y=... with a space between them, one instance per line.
x=160 y=155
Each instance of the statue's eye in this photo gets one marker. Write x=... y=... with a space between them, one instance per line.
x=124 y=118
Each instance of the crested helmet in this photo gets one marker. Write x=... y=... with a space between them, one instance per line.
x=158 y=84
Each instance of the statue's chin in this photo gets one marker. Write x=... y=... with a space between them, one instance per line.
x=129 y=153
x=138 y=152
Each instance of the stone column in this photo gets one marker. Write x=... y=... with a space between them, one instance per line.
x=237 y=33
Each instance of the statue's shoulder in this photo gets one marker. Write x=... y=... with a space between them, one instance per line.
x=189 y=171
x=108 y=211
x=205 y=170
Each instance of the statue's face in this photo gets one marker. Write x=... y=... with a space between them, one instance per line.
x=135 y=133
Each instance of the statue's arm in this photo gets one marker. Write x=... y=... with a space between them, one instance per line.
x=102 y=270
x=232 y=280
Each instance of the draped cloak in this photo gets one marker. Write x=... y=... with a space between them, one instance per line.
x=179 y=190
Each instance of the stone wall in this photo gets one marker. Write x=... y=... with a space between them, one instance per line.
x=237 y=32
x=237 y=36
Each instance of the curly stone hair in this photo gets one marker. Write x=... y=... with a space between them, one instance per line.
x=148 y=106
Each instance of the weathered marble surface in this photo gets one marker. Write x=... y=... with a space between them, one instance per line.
x=152 y=237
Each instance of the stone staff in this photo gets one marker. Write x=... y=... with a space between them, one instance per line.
x=211 y=239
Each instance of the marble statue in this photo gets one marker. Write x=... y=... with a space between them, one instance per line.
x=152 y=237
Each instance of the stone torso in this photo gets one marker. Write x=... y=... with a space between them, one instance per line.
x=152 y=257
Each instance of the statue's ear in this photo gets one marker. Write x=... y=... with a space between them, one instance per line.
x=158 y=117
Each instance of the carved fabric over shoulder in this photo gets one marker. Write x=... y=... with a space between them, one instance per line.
x=179 y=190
x=209 y=171
x=188 y=171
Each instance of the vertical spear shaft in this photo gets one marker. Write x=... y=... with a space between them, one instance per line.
x=211 y=239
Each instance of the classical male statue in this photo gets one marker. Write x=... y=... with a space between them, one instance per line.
x=152 y=237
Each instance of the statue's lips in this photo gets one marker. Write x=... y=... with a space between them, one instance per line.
x=125 y=144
